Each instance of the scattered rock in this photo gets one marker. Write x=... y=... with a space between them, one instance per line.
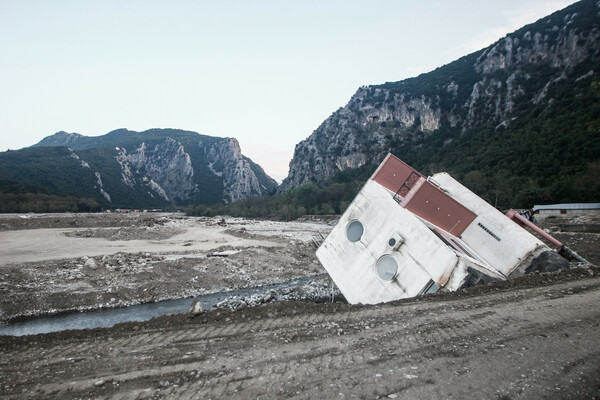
x=319 y=290
x=90 y=263
x=196 y=308
x=225 y=253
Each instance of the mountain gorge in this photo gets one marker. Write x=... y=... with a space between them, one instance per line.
x=518 y=121
x=127 y=169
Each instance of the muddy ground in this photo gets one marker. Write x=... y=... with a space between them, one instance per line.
x=534 y=337
x=50 y=266
x=581 y=234
x=537 y=337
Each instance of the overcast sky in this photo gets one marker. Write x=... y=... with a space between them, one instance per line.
x=265 y=72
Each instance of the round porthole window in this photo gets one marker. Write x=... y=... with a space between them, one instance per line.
x=354 y=231
x=386 y=267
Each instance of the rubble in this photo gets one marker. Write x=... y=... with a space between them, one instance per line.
x=90 y=263
x=224 y=253
x=152 y=232
x=89 y=281
x=318 y=290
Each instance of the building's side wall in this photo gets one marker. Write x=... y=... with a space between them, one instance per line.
x=498 y=240
x=422 y=257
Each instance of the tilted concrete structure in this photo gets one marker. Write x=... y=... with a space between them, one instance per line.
x=405 y=235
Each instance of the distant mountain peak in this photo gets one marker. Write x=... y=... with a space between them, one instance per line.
x=60 y=138
x=119 y=131
x=132 y=169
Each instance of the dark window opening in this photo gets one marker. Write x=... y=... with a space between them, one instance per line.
x=441 y=237
x=462 y=248
x=431 y=287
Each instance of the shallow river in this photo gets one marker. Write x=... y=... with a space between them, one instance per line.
x=109 y=317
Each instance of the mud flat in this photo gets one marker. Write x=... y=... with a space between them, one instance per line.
x=534 y=337
x=57 y=263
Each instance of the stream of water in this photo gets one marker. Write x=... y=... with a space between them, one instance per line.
x=104 y=318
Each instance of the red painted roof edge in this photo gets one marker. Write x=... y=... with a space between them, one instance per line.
x=390 y=155
x=381 y=164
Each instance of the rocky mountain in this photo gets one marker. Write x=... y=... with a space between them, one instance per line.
x=136 y=169
x=527 y=108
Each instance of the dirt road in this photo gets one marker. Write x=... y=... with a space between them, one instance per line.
x=536 y=337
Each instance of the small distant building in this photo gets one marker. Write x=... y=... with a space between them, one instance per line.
x=566 y=210
x=405 y=234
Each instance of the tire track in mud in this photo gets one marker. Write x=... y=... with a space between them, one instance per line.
x=417 y=349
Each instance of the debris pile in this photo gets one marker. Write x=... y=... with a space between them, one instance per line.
x=318 y=290
x=80 y=280
x=123 y=262
x=153 y=231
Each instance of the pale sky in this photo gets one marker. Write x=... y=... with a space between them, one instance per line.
x=266 y=72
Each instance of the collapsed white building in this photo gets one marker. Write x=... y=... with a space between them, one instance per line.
x=405 y=234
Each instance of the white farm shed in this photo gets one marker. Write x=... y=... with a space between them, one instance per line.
x=405 y=235
x=566 y=210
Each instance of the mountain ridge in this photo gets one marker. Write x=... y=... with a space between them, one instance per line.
x=129 y=169
x=479 y=115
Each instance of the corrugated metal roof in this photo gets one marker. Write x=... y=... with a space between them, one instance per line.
x=568 y=206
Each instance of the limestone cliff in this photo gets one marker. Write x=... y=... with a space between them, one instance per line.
x=166 y=166
x=487 y=91
x=225 y=159
x=160 y=166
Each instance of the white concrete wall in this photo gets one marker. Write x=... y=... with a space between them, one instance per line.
x=515 y=242
x=423 y=257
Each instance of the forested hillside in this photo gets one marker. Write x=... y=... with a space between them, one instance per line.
x=517 y=122
x=158 y=168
